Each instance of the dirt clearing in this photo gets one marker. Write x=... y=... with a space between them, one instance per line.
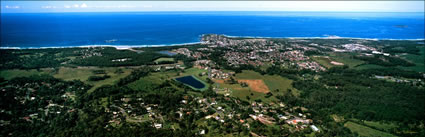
x=256 y=85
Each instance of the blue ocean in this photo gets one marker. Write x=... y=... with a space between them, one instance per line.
x=165 y=28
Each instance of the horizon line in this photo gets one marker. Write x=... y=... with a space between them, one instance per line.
x=219 y=11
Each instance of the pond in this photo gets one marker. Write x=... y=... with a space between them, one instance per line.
x=167 y=53
x=191 y=81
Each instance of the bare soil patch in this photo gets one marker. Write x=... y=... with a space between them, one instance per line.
x=337 y=63
x=219 y=81
x=257 y=85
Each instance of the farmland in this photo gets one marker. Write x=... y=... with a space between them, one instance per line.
x=273 y=82
x=69 y=74
x=13 y=73
x=160 y=60
x=333 y=59
x=151 y=81
x=256 y=85
x=277 y=85
x=366 y=131
x=83 y=73
x=418 y=60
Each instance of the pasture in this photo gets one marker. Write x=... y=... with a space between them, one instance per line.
x=151 y=81
x=323 y=60
x=368 y=66
x=346 y=58
x=68 y=74
x=418 y=60
x=159 y=60
x=256 y=85
x=195 y=72
x=83 y=73
x=366 y=131
x=275 y=84
x=13 y=73
x=334 y=59
x=381 y=126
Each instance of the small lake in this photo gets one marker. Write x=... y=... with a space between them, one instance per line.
x=167 y=53
x=191 y=81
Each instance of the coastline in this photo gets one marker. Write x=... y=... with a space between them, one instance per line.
x=115 y=46
x=200 y=42
x=325 y=37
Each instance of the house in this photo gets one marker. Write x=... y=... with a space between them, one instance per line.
x=282 y=117
x=169 y=67
x=299 y=114
x=314 y=128
x=202 y=132
x=376 y=52
x=208 y=117
x=295 y=121
x=157 y=125
x=253 y=116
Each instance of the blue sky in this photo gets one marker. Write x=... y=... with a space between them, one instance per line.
x=126 y=6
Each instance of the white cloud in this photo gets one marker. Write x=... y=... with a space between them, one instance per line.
x=126 y=6
x=83 y=5
x=67 y=6
x=118 y=6
x=147 y=6
x=12 y=7
x=76 y=6
x=48 y=7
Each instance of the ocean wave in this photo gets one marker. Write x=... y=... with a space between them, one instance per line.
x=193 y=43
x=324 y=37
x=115 y=46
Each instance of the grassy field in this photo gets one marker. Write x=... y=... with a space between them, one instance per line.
x=12 y=73
x=157 y=78
x=418 y=60
x=381 y=126
x=265 y=66
x=195 y=72
x=322 y=60
x=163 y=59
x=83 y=73
x=67 y=73
x=146 y=83
x=368 y=66
x=248 y=74
x=344 y=58
x=277 y=85
x=366 y=131
x=273 y=82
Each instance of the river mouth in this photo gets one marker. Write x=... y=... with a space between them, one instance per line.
x=191 y=81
